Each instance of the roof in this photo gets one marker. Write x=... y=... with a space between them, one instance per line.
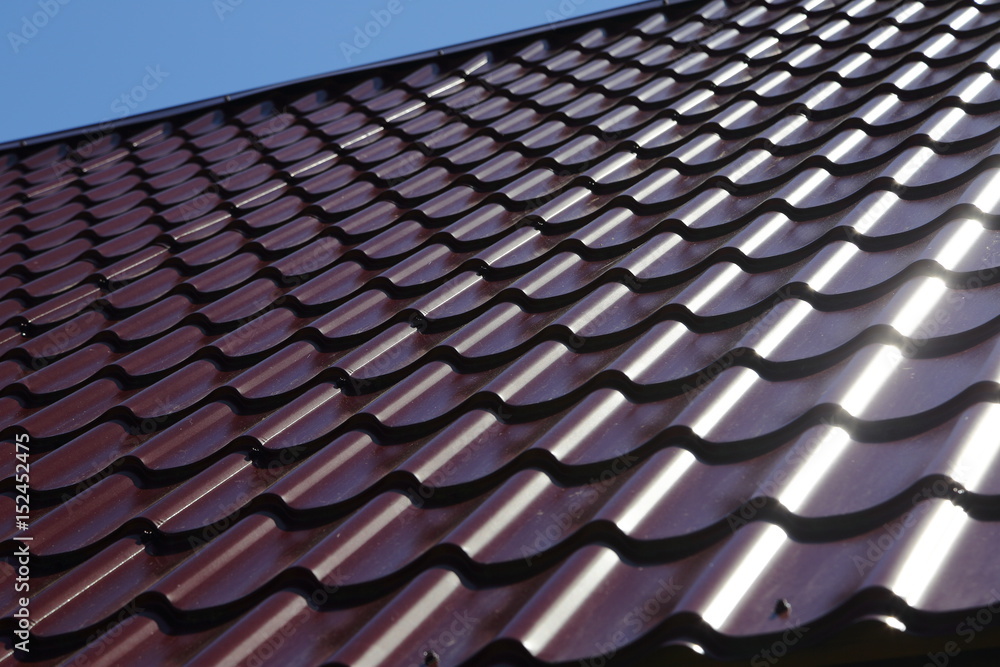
x=669 y=334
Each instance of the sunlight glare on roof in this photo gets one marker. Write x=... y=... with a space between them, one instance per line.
x=988 y=197
x=642 y=504
x=739 y=381
x=914 y=312
x=567 y=603
x=978 y=450
x=743 y=576
x=821 y=462
x=937 y=536
x=870 y=380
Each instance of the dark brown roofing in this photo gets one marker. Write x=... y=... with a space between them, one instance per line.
x=665 y=336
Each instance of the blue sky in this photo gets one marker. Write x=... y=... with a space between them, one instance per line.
x=67 y=63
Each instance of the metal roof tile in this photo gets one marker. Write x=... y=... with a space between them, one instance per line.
x=686 y=304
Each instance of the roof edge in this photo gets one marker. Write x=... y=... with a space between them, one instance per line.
x=422 y=56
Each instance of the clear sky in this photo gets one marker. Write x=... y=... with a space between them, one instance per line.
x=68 y=63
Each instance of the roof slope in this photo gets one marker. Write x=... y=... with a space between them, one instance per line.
x=663 y=332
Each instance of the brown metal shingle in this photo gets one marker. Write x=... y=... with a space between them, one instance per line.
x=674 y=331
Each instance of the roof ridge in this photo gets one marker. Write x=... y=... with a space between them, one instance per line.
x=419 y=57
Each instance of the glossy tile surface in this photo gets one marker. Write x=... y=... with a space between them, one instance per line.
x=634 y=338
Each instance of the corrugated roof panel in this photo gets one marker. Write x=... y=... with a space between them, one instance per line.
x=673 y=331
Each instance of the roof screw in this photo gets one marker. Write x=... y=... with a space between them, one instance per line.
x=431 y=659
x=418 y=322
x=782 y=607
